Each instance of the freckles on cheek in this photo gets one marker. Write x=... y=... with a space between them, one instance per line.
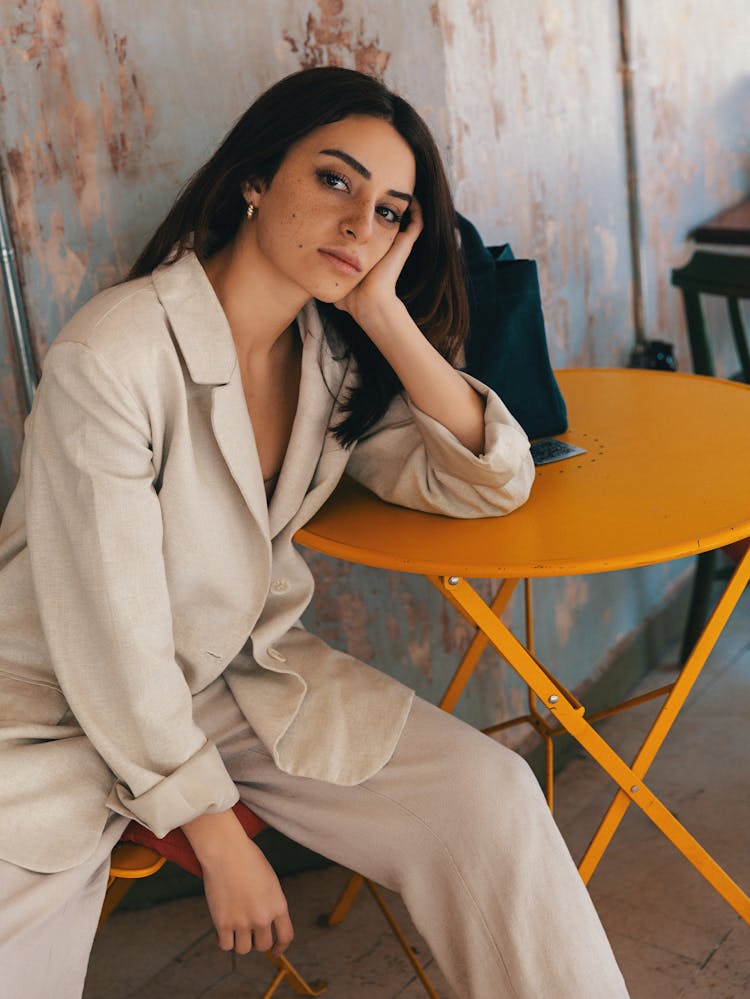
x=294 y=230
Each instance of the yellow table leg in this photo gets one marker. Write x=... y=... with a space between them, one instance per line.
x=477 y=645
x=668 y=713
x=570 y=716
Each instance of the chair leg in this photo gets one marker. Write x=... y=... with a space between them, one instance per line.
x=740 y=339
x=344 y=903
x=412 y=957
x=700 y=602
x=287 y=972
x=117 y=889
x=700 y=349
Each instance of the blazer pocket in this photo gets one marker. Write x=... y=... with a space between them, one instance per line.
x=34 y=701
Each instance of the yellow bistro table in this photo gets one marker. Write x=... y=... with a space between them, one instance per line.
x=666 y=474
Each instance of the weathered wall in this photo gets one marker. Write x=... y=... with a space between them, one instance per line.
x=539 y=157
x=693 y=111
x=108 y=107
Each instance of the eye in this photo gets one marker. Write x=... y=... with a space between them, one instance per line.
x=336 y=181
x=389 y=214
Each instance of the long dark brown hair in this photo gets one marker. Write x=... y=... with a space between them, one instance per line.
x=211 y=207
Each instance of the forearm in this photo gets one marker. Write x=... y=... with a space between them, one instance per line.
x=210 y=834
x=432 y=384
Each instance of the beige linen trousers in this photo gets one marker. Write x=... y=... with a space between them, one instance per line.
x=141 y=565
x=483 y=871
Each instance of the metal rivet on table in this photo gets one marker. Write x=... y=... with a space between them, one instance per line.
x=553 y=698
x=453 y=580
x=634 y=789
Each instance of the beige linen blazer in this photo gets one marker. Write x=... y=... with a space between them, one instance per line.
x=139 y=560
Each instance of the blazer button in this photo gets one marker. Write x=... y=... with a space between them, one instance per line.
x=280 y=586
x=275 y=654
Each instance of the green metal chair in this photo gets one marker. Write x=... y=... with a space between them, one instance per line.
x=726 y=276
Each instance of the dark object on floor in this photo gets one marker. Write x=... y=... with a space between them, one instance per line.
x=656 y=355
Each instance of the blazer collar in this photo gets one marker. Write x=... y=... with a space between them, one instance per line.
x=197 y=320
x=205 y=341
x=320 y=385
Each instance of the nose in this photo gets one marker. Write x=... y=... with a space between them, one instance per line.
x=358 y=220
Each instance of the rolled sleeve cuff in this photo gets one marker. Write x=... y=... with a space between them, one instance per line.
x=506 y=447
x=200 y=785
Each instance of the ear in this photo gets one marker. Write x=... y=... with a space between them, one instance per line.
x=252 y=190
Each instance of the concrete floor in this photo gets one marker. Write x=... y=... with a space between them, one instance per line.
x=674 y=936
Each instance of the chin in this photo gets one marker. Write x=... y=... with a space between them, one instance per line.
x=329 y=297
x=325 y=292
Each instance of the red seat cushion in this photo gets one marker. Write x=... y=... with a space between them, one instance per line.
x=175 y=845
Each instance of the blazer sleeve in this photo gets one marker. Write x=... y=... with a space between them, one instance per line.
x=95 y=542
x=410 y=459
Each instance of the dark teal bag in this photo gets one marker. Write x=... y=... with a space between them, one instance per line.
x=507 y=344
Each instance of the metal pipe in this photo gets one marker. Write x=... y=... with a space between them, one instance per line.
x=635 y=225
x=16 y=310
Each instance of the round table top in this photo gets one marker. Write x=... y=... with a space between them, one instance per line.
x=666 y=474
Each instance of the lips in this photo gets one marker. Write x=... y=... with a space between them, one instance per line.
x=343 y=260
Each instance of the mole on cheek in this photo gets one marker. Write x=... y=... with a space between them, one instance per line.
x=300 y=246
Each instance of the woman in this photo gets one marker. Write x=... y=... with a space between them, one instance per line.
x=294 y=315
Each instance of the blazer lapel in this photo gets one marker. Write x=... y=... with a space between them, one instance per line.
x=205 y=341
x=320 y=385
x=234 y=435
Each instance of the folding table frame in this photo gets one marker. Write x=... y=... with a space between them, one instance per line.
x=694 y=489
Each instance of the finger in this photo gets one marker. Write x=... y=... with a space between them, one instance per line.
x=416 y=221
x=415 y=210
x=225 y=938
x=284 y=933
x=243 y=941
x=405 y=240
x=263 y=938
x=393 y=262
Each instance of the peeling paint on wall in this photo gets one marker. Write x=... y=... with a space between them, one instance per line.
x=330 y=39
x=574 y=596
x=54 y=162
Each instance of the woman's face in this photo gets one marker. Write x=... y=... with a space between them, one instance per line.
x=334 y=206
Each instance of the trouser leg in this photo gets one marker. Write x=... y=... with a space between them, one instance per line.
x=48 y=922
x=457 y=824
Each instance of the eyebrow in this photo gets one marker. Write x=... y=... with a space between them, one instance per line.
x=363 y=171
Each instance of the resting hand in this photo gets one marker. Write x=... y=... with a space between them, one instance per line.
x=244 y=897
x=428 y=379
x=375 y=294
